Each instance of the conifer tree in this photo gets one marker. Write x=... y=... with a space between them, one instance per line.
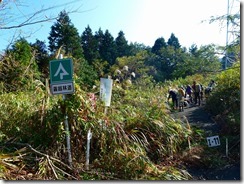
x=173 y=41
x=159 y=43
x=41 y=56
x=108 y=49
x=63 y=33
x=99 y=36
x=122 y=47
x=89 y=45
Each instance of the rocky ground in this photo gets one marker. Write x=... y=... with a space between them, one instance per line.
x=197 y=116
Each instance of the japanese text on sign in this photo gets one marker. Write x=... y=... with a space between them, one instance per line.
x=62 y=88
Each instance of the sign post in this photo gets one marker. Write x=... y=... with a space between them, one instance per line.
x=61 y=79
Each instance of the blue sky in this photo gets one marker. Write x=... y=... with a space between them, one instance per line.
x=142 y=21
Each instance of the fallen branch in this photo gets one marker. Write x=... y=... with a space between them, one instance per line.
x=49 y=159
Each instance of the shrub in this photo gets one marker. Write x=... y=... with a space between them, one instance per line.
x=227 y=96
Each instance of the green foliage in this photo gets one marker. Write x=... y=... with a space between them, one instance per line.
x=100 y=67
x=122 y=142
x=21 y=51
x=227 y=96
x=134 y=63
x=135 y=135
x=18 y=69
x=64 y=34
x=107 y=48
x=173 y=41
x=127 y=142
x=42 y=58
x=200 y=61
x=85 y=74
x=130 y=141
x=122 y=47
x=165 y=62
x=89 y=45
x=172 y=63
x=24 y=117
x=159 y=43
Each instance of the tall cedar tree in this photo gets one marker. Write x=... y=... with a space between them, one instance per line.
x=159 y=43
x=173 y=41
x=89 y=45
x=122 y=47
x=99 y=36
x=63 y=33
x=108 y=48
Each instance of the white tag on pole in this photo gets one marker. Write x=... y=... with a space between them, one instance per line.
x=89 y=136
x=106 y=90
x=213 y=141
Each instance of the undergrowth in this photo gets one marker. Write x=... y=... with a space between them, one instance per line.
x=135 y=139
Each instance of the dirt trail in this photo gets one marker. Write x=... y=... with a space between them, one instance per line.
x=197 y=116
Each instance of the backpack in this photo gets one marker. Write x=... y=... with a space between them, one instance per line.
x=181 y=92
x=198 y=88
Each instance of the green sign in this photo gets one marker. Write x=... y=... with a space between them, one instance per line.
x=61 y=71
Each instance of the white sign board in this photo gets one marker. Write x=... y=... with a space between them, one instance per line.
x=66 y=88
x=213 y=141
x=106 y=90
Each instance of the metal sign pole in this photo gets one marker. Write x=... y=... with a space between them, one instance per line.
x=67 y=133
x=105 y=110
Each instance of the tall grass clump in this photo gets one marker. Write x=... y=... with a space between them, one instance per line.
x=137 y=134
x=24 y=114
x=128 y=142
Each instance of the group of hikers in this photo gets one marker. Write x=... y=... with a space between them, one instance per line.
x=191 y=94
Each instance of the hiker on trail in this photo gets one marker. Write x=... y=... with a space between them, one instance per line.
x=181 y=98
x=189 y=93
x=196 y=90
x=181 y=91
x=212 y=84
x=201 y=92
x=210 y=87
x=173 y=94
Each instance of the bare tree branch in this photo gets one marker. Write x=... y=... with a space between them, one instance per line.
x=30 y=18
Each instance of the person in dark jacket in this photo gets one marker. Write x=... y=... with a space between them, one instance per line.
x=189 y=93
x=173 y=95
x=196 y=90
